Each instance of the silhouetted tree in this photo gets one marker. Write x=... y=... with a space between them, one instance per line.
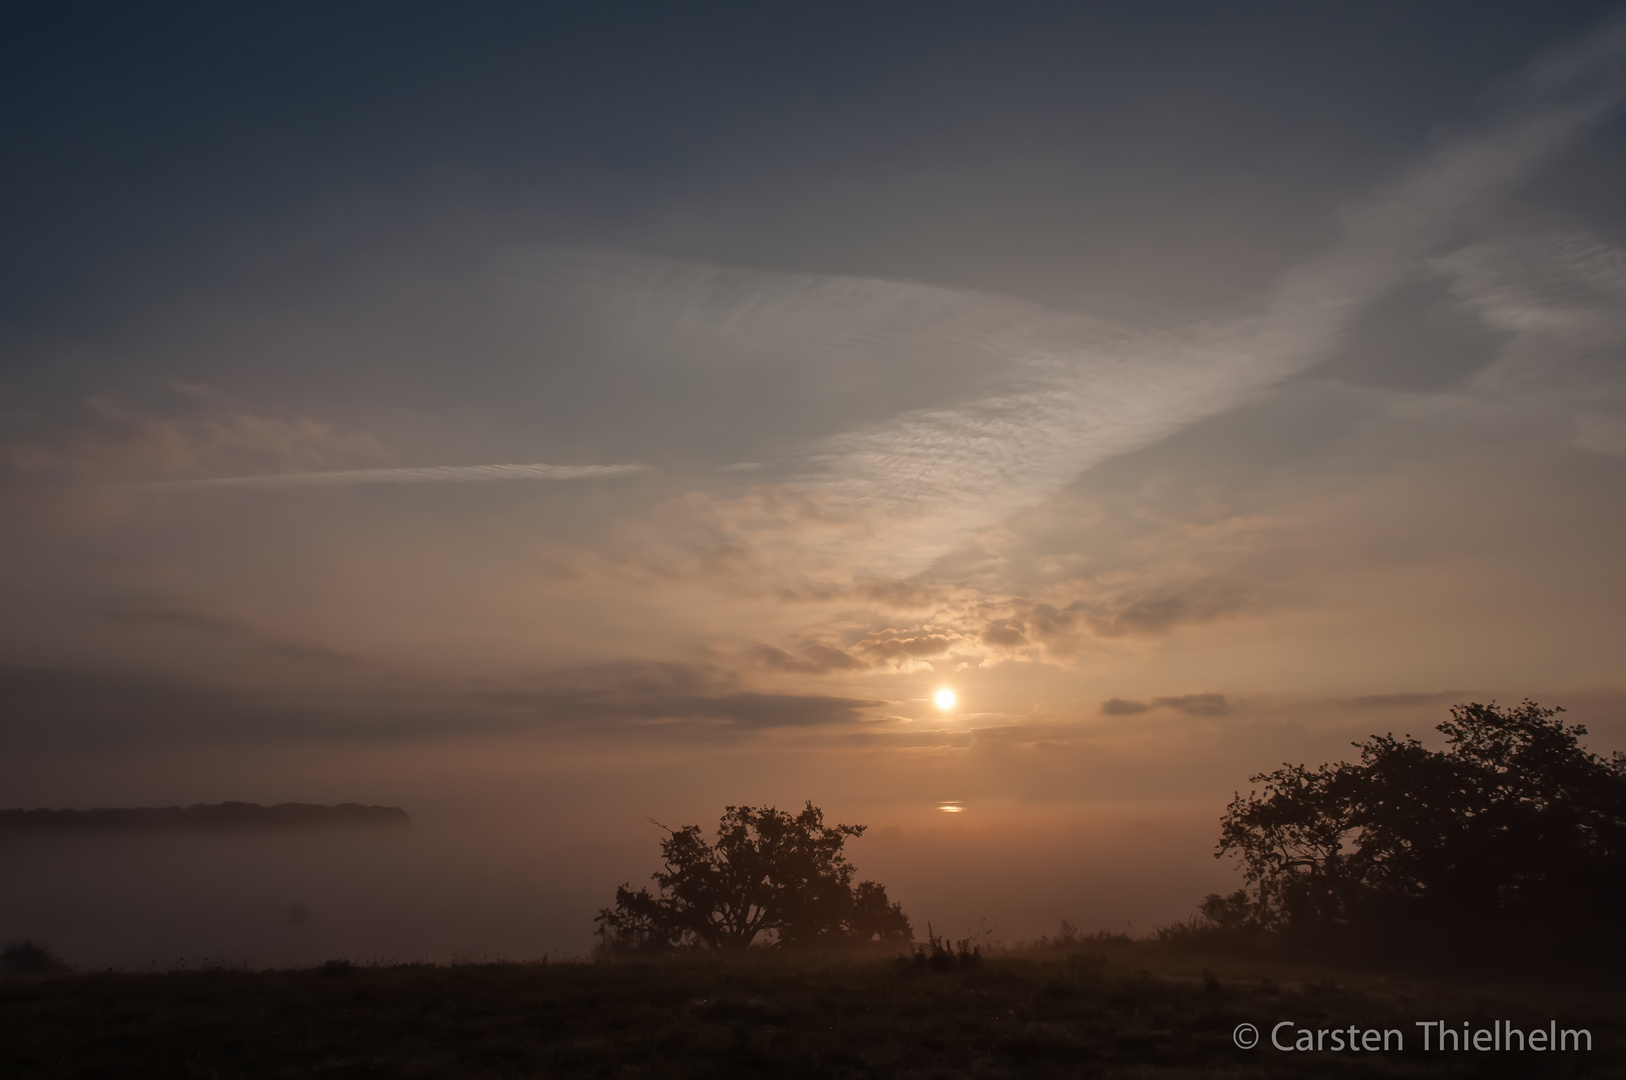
x=1514 y=823
x=773 y=877
x=24 y=958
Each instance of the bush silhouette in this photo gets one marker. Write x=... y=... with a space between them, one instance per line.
x=26 y=958
x=1514 y=824
x=941 y=954
x=772 y=878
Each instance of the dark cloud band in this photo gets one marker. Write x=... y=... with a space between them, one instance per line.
x=436 y=474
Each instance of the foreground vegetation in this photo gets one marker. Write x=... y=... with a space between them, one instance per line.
x=1501 y=859
x=1084 y=1007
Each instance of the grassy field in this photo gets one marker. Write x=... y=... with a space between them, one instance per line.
x=1098 y=1009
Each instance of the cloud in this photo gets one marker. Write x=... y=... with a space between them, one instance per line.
x=1007 y=635
x=635 y=678
x=815 y=660
x=126 y=446
x=80 y=707
x=1560 y=300
x=753 y=711
x=652 y=696
x=1063 y=392
x=899 y=645
x=117 y=443
x=905 y=595
x=1063 y=630
x=1195 y=704
x=217 y=627
x=844 y=504
x=189 y=620
x=1150 y=616
x=431 y=474
x=76 y=707
x=1190 y=704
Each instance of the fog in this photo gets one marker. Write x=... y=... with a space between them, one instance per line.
x=516 y=843
x=447 y=890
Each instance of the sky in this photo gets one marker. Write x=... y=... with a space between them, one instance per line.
x=549 y=418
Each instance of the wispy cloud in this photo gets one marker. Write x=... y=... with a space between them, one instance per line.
x=49 y=706
x=432 y=474
x=1560 y=300
x=1190 y=704
x=951 y=470
x=118 y=442
x=890 y=498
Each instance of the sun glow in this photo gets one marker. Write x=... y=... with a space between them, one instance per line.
x=944 y=698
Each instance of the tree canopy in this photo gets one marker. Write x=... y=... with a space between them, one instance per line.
x=1514 y=823
x=771 y=878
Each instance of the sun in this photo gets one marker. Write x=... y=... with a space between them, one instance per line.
x=944 y=698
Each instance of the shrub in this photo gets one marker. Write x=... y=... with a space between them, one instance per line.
x=30 y=958
x=771 y=878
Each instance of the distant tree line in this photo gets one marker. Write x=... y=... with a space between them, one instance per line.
x=1512 y=837
x=217 y=816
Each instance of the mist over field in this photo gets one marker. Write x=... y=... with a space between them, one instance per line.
x=514 y=847
x=452 y=891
